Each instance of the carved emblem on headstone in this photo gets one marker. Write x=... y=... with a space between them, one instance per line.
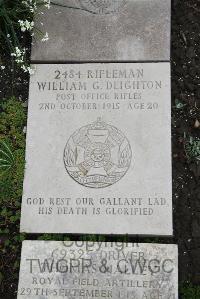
x=102 y=6
x=97 y=155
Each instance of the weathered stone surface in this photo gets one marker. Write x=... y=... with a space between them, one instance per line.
x=99 y=150
x=73 y=270
x=117 y=30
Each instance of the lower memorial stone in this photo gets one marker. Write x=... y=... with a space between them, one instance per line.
x=98 y=150
x=51 y=269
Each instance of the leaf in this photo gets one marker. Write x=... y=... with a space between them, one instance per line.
x=192 y=148
x=7 y=242
x=71 y=156
x=6 y=156
x=125 y=157
x=179 y=105
x=4 y=212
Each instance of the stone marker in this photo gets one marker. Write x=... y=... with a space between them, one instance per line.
x=99 y=150
x=103 y=30
x=73 y=270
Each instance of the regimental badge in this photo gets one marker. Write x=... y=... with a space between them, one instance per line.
x=97 y=155
x=102 y=6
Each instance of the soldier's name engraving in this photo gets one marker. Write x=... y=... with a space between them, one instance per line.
x=107 y=85
x=99 y=89
x=72 y=80
x=132 y=79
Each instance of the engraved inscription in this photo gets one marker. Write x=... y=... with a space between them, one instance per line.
x=97 y=155
x=102 y=6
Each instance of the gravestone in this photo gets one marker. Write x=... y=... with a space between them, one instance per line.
x=51 y=269
x=98 y=152
x=104 y=30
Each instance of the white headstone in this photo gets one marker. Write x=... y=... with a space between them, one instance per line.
x=104 y=30
x=51 y=269
x=98 y=153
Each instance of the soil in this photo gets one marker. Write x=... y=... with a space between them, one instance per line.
x=185 y=122
x=186 y=174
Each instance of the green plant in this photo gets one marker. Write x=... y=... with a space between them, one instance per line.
x=189 y=291
x=192 y=148
x=6 y=156
x=16 y=18
x=12 y=153
x=179 y=105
